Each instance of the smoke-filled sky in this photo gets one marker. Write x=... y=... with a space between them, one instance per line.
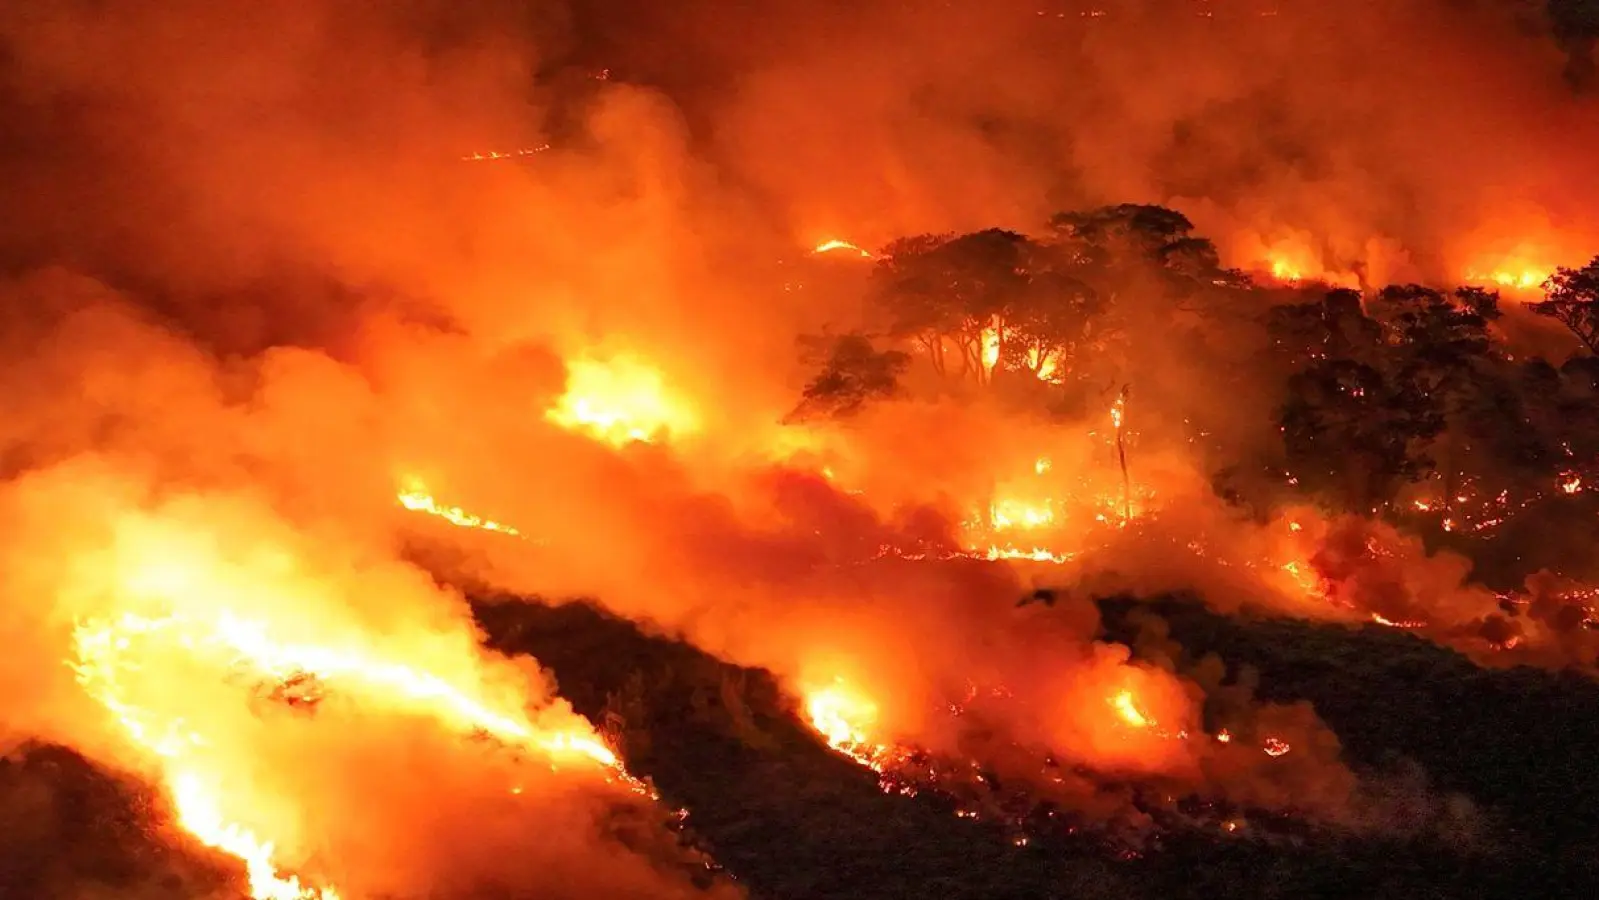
x=249 y=275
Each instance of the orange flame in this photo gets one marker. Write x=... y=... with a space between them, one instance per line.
x=622 y=401
x=1513 y=278
x=834 y=245
x=1128 y=710
x=415 y=497
x=130 y=664
x=845 y=718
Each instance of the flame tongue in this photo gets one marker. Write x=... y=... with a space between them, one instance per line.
x=110 y=655
x=103 y=656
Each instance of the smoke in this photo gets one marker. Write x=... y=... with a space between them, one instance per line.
x=255 y=286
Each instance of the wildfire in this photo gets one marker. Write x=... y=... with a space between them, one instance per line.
x=131 y=663
x=835 y=246
x=480 y=156
x=845 y=718
x=1282 y=270
x=416 y=498
x=991 y=340
x=1128 y=710
x=1512 y=278
x=1008 y=514
x=622 y=401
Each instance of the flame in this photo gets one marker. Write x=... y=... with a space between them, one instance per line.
x=1283 y=270
x=990 y=346
x=415 y=497
x=835 y=245
x=1571 y=484
x=158 y=677
x=1512 y=278
x=1128 y=710
x=1291 y=261
x=1008 y=514
x=845 y=718
x=622 y=401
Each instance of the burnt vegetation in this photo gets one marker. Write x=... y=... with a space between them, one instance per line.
x=793 y=819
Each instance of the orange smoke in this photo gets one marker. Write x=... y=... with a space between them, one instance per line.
x=217 y=645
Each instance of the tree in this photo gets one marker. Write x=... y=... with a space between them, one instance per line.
x=1440 y=352
x=853 y=373
x=1131 y=235
x=1352 y=433
x=998 y=298
x=936 y=289
x=1047 y=325
x=1571 y=297
x=1334 y=326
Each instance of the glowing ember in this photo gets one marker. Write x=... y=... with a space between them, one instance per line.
x=1396 y=623
x=1275 y=746
x=416 y=498
x=620 y=402
x=479 y=156
x=1224 y=736
x=1571 y=484
x=836 y=246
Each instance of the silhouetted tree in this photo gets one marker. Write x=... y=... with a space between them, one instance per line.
x=853 y=373
x=1335 y=326
x=989 y=292
x=1106 y=242
x=1353 y=434
x=1571 y=297
x=947 y=290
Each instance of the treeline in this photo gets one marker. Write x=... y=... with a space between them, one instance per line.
x=1396 y=401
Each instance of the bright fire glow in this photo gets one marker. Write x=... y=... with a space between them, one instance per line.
x=1512 y=278
x=1283 y=270
x=1008 y=514
x=991 y=340
x=1128 y=710
x=416 y=498
x=622 y=401
x=845 y=718
x=171 y=675
x=835 y=246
